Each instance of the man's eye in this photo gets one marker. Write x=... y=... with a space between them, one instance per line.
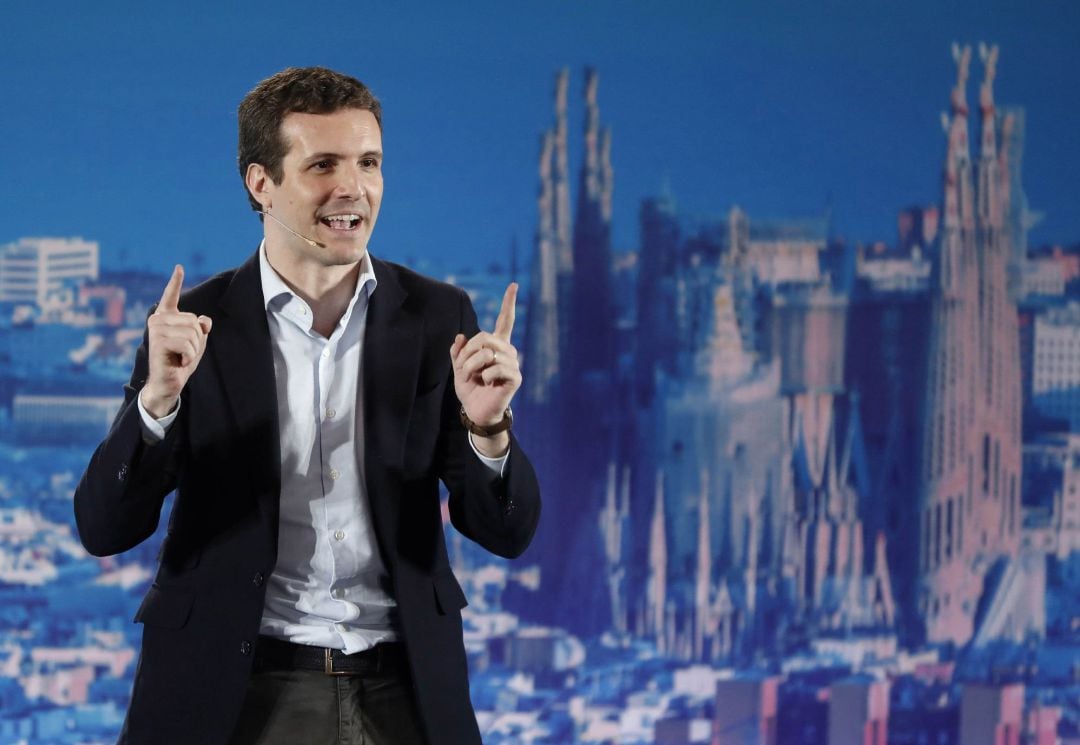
x=322 y=165
x=369 y=163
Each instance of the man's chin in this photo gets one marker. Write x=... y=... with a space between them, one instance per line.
x=343 y=252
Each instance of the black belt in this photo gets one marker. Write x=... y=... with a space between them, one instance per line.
x=276 y=654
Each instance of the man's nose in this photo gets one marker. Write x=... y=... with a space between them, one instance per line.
x=350 y=182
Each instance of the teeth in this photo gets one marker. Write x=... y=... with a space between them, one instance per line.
x=346 y=221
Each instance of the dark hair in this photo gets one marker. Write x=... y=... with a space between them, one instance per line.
x=309 y=90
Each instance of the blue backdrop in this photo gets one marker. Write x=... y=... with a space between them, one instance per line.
x=804 y=421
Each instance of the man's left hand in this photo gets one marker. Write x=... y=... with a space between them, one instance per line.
x=487 y=373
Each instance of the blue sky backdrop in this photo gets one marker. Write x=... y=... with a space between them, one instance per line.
x=118 y=119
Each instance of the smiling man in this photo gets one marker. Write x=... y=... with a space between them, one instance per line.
x=305 y=406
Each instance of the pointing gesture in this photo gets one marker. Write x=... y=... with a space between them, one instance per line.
x=504 y=324
x=177 y=342
x=486 y=371
x=170 y=296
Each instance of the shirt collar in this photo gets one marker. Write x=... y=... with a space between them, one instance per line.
x=276 y=293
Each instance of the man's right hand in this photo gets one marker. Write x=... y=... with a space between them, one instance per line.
x=177 y=342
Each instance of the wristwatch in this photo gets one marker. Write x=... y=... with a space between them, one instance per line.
x=493 y=429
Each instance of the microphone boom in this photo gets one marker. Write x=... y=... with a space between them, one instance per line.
x=310 y=241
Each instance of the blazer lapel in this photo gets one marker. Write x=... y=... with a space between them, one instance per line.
x=393 y=349
x=245 y=362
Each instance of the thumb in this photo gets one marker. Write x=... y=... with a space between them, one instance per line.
x=456 y=347
x=206 y=323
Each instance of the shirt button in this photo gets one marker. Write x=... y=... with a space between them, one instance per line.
x=339 y=626
x=330 y=413
x=122 y=472
x=339 y=535
x=245 y=647
x=258 y=579
x=303 y=311
x=337 y=592
x=334 y=474
x=326 y=353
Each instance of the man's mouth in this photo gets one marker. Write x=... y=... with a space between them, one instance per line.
x=345 y=221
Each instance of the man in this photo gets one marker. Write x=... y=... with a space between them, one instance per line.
x=305 y=406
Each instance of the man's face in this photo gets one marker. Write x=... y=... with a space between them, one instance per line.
x=331 y=186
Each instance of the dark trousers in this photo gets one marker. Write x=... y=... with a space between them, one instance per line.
x=308 y=707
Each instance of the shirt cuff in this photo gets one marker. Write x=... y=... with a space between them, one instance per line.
x=497 y=465
x=154 y=430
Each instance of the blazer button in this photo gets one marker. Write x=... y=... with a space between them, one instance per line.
x=258 y=579
x=245 y=647
x=122 y=472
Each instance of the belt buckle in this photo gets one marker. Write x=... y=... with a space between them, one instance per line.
x=328 y=668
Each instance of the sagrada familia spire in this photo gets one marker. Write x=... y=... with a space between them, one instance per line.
x=656 y=600
x=969 y=510
x=571 y=305
x=591 y=332
x=570 y=366
x=554 y=263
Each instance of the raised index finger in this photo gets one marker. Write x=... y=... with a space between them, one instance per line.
x=504 y=324
x=170 y=296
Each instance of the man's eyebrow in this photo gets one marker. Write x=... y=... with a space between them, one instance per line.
x=314 y=158
x=322 y=156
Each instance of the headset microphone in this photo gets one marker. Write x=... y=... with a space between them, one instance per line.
x=310 y=241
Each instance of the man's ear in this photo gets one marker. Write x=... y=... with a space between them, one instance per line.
x=258 y=182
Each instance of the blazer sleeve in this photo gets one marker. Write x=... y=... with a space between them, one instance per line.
x=499 y=513
x=119 y=497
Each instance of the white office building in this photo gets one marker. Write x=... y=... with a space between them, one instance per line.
x=39 y=270
x=1055 y=366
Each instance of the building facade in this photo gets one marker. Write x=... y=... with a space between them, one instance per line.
x=37 y=270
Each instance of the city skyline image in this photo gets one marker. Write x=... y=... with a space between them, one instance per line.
x=799 y=324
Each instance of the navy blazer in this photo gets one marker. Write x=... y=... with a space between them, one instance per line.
x=201 y=615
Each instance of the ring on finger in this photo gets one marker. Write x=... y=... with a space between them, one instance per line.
x=494 y=356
